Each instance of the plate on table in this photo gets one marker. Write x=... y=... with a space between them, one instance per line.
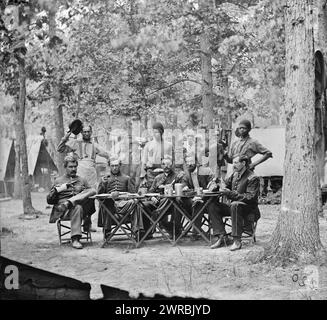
x=207 y=191
x=152 y=194
x=128 y=195
x=103 y=195
x=210 y=192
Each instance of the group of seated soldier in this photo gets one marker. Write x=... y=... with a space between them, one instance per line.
x=71 y=194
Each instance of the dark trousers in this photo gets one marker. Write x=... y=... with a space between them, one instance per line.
x=145 y=223
x=237 y=210
x=104 y=219
x=75 y=215
x=192 y=209
x=88 y=210
x=167 y=221
x=197 y=206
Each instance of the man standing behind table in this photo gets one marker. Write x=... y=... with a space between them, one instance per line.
x=70 y=197
x=114 y=183
x=245 y=145
x=86 y=151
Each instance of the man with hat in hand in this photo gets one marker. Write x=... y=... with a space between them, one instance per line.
x=245 y=145
x=85 y=150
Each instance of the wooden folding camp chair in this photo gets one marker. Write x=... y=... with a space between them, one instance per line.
x=249 y=229
x=64 y=229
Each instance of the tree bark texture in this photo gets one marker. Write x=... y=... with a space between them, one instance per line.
x=57 y=107
x=18 y=180
x=59 y=127
x=26 y=188
x=321 y=45
x=206 y=71
x=297 y=230
x=225 y=84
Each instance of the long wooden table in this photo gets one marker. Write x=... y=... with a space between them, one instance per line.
x=173 y=201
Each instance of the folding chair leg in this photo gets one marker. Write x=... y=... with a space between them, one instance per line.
x=85 y=235
x=59 y=231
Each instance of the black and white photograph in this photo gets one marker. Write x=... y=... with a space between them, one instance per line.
x=163 y=150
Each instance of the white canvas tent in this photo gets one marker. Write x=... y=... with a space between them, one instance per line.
x=7 y=164
x=273 y=138
x=40 y=163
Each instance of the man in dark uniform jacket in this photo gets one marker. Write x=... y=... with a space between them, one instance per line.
x=114 y=183
x=70 y=197
x=242 y=188
x=168 y=177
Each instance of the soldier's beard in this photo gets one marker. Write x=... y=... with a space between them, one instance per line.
x=191 y=168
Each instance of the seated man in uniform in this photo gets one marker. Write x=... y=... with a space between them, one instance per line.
x=242 y=188
x=70 y=197
x=168 y=177
x=198 y=176
x=114 y=183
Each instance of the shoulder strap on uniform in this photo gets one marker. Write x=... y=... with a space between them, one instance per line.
x=93 y=151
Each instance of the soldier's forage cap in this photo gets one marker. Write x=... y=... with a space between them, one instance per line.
x=246 y=123
x=114 y=160
x=158 y=126
x=70 y=158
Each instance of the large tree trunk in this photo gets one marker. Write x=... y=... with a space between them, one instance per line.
x=59 y=127
x=57 y=107
x=227 y=120
x=297 y=232
x=206 y=71
x=321 y=45
x=26 y=188
x=18 y=181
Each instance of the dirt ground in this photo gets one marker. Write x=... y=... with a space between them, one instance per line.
x=188 y=269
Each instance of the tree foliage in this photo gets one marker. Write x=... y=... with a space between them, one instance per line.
x=133 y=57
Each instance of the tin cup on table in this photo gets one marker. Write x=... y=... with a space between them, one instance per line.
x=143 y=191
x=199 y=191
x=178 y=189
x=168 y=190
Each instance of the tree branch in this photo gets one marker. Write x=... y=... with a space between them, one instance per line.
x=171 y=85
